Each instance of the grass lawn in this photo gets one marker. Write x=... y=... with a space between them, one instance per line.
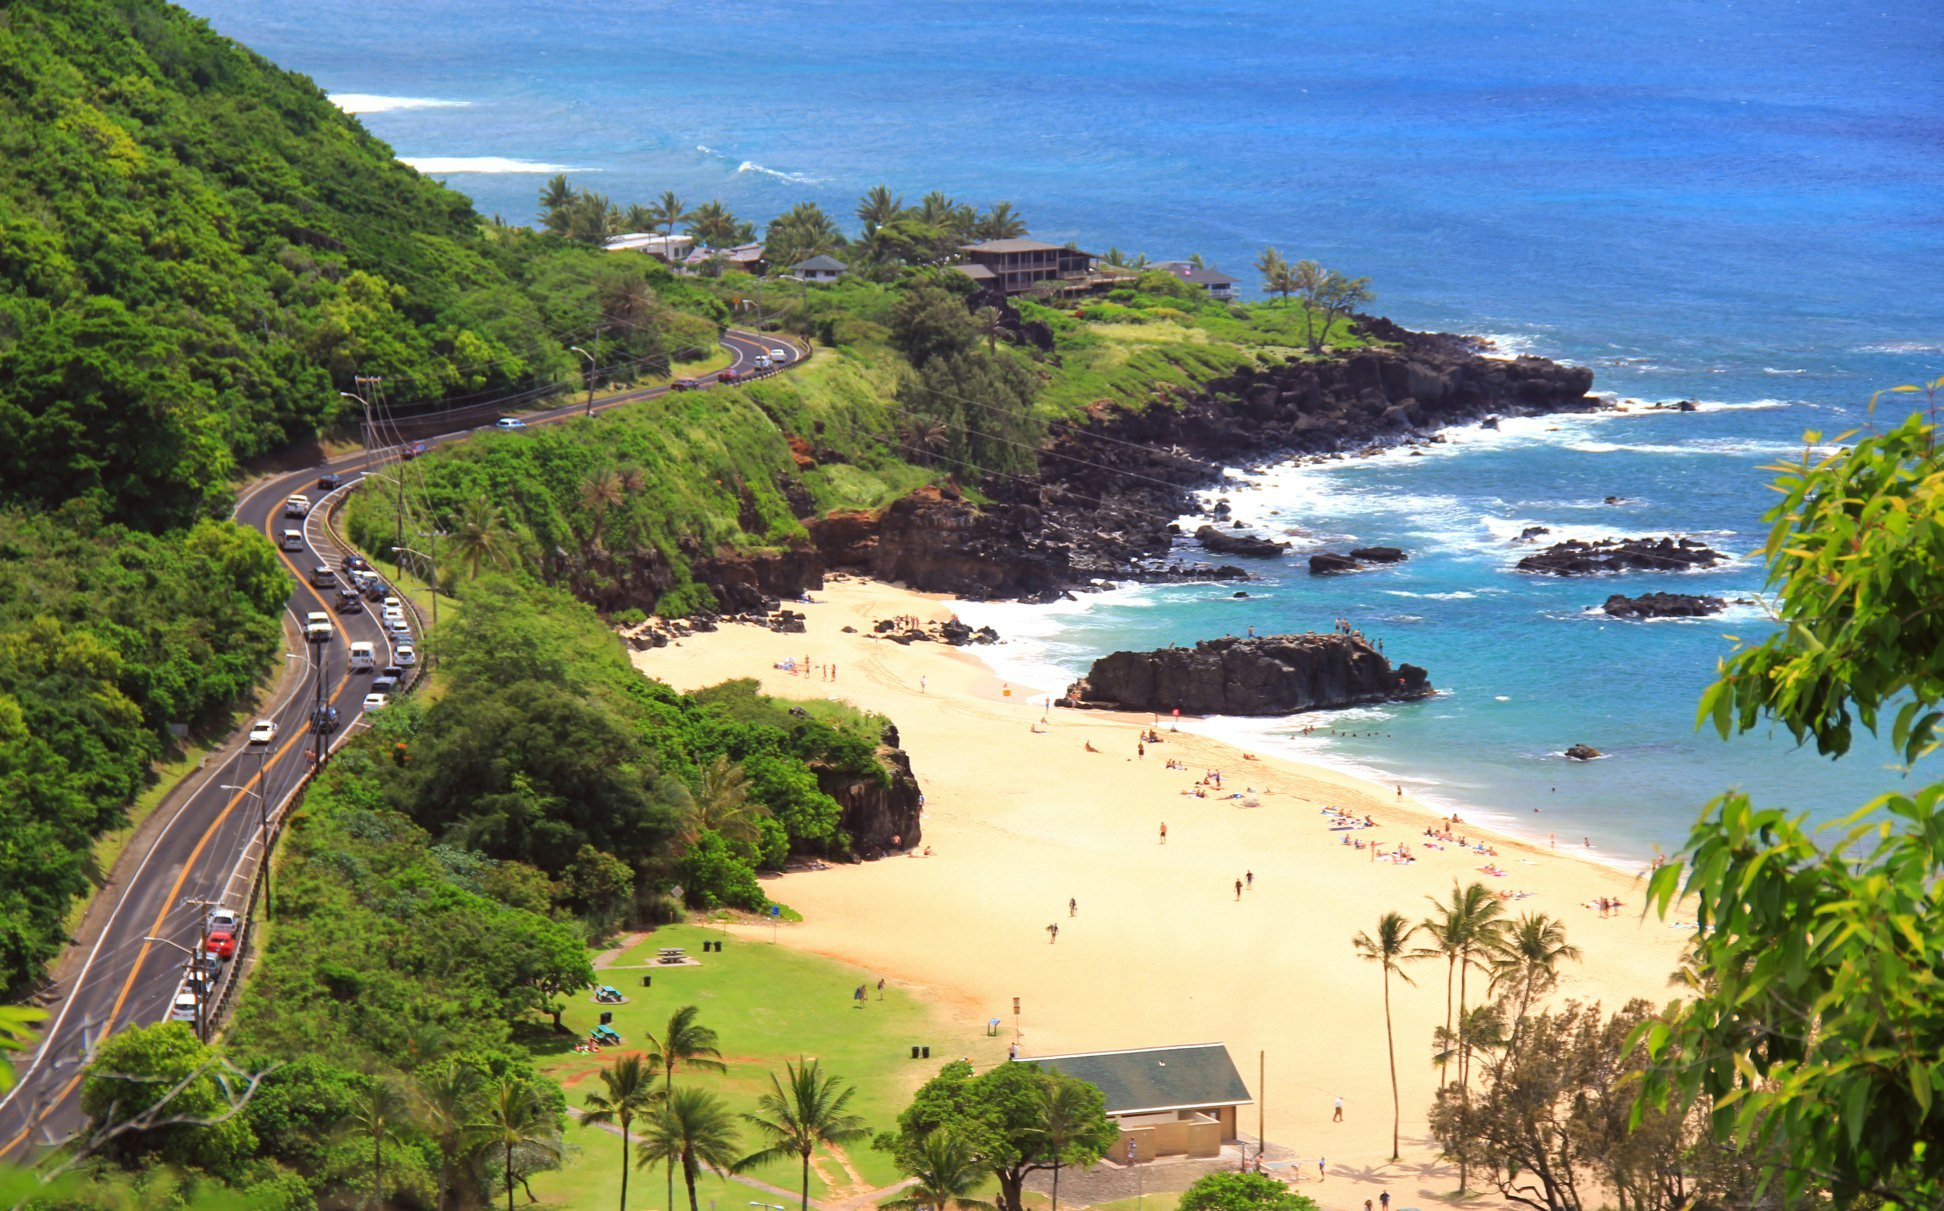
x=767 y=1004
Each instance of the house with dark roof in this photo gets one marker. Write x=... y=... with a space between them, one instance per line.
x=1017 y=266
x=1219 y=285
x=1167 y=1101
x=818 y=268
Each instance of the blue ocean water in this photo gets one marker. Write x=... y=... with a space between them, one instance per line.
x=1731 y=203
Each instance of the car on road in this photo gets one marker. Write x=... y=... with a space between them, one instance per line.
x=376 y=702
x=780 y=355
x=330 y=482
x=685 y=384
x=225 y=919
x=349 y=602
x=264 y=731
x=187 y=1006
x=411 y=450
x=317 y=626
x=297 y=506
x=406 y=655
x=509 y=423
x=221 y=943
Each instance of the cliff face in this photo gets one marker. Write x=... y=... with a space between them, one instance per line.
x=1101 y=505
x=1270 y=675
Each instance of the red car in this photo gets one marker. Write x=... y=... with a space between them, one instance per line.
x=222 y=944
x=685 y=384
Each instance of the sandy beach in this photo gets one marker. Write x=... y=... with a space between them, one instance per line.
x=1161 y=948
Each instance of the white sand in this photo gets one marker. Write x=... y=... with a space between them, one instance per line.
x=1161 y=951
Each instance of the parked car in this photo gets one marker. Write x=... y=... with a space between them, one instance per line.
x=509 y=423
x=330 y=482
x=375 y=702
x=406 y=655
x=264 y=731
x=297 y=506
x=221 y=943
x=225 y=919
x=685 y=384
x=187 y=1007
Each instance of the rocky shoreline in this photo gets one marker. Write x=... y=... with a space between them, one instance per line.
x=1103 y=505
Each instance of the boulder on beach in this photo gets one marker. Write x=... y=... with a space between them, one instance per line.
x=1262 y=675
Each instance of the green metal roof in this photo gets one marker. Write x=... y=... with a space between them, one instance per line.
x=1156 y=1078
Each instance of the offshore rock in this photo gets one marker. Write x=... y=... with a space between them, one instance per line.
x=1577 y=558
x=1267 y=675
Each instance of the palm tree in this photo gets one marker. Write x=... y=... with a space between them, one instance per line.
x=1002 y=222
x=1388 y=949
x=722 y=805
x=796 y=1119
x=948 y=1172
x=877 y=207
x=1528 y=957
x=513 y=1117
x=481 y=536
x=1059 y=1117
x=379 y=1112
x=684 y=1041
x=669 y=211
x=693 y=1128
x=630 y=1093
x=444 y=1097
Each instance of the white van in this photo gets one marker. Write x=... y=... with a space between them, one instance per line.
x=362 y=658
x=293 y=540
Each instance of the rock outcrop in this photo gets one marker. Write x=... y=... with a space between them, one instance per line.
x=1269 y=675
x=1577 y=558
x=1663 y=605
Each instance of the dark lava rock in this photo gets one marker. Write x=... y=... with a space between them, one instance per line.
x=1584 y=752
x=1378 y=554
x=1266 y=675
x=1663 y=605
x=1328 y=563
x=1576 y=558
x=1238 y=544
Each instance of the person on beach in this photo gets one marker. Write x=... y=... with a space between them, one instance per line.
x=1338 y=1116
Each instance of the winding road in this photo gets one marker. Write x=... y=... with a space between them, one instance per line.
x=205 y=853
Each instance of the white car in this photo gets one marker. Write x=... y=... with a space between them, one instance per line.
x=406 y=655
x=376 y=702
x=184 y=1008
x=264 y=732
x=781 y=355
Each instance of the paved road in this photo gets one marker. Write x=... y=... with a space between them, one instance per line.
x=206 y=851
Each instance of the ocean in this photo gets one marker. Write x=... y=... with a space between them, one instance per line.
x=1735 y=204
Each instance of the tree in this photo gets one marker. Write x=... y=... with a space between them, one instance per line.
x=631 y=1093
x=482 y=536
x=379 y=1113
x=947 y=1172
x=877 y=207
x=1242 y=1192
x=1817 y=1028
x=512 y=1119
x=1389 y=948
x=685 y=1040
x=999 y=1116
x=1002 y=222
x=692 y=1128
x=797 y=1115
x=1528 y=958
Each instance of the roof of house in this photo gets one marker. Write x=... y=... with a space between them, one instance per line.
x=1191 y=1076
x=820 y=261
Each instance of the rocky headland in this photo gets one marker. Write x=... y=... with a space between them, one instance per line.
x=1576 y=558
x=1266 y=675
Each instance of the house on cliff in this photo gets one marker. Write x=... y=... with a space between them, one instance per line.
x=1166 y=1101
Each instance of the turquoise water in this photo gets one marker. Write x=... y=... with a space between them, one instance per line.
x=1736 y=204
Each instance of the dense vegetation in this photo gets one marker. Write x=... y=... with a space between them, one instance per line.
x=108 y=636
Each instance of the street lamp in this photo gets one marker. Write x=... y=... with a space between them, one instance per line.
x=263 y=830
x=202 y=997
x=591 y=366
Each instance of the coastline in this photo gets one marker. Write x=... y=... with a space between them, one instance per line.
x=1162 y=948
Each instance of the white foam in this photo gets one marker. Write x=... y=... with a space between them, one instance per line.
x=447 y=165
x=372 y=103
x=793 y=178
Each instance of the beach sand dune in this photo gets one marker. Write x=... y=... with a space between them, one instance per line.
x=1161 y=949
